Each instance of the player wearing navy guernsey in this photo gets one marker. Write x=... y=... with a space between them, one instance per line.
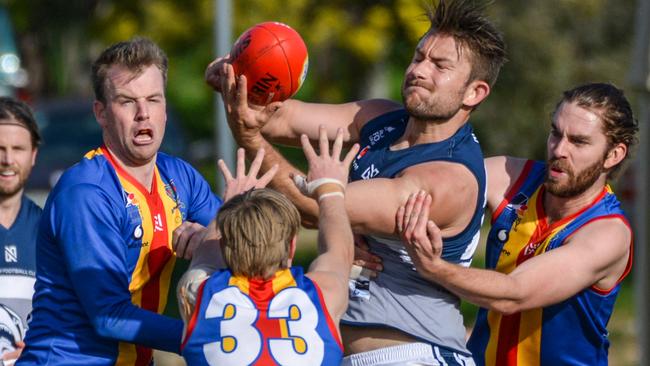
x=426 y=143
x=19 y=216
x=113 y=226
x=556 y=225
x=258 y=309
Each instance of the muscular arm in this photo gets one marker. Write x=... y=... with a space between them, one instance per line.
x=596 y=255
x=335 y=242
x=294 y=118
x=371 y=204
x=285 y=122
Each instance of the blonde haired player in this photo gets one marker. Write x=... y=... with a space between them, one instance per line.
x=258 y=309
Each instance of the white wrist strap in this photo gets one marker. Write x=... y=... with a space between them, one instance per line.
x=357 y=272
x=331 y=194
x=308 y=188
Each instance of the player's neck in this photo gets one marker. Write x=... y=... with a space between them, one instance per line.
x=9 y=207
x=557 y=208
x=424 y=132
x=142 y=173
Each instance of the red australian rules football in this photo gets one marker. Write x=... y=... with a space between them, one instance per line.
x=273 y=57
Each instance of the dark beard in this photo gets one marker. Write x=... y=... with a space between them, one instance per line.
x=576 y=184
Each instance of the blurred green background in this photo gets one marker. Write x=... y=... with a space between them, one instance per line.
x=358 y=49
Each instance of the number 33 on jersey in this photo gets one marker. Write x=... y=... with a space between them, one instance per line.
x=242 y=321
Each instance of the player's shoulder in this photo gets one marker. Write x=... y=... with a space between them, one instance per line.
x=503 y=173
x=32 y=209
x=90 y=178
x=333 y=288
x=609 y=236
x=173 y=165
x=371 y=110
x=92 y=169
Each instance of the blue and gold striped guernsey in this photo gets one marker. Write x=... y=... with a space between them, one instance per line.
x=572 y=332
x=105 y=262
x=279 y=321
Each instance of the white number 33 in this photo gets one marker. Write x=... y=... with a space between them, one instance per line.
x=241 y=342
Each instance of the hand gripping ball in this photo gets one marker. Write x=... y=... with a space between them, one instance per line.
x=273 y=57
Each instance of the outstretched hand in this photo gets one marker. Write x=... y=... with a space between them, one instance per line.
x=421 y=236
x=243 y=182
x=245 y=120
x=326 y=168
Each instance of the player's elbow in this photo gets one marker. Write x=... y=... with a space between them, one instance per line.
x=106 y=328
x=114 y=325
x=309 y=221
x=504 y=308
x=507 y=306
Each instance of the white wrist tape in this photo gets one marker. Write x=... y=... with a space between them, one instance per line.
x=331 y=194
x=308 y=188
x=357 y=272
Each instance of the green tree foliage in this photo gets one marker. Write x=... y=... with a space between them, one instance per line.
x=357 y=49
x=552 y=46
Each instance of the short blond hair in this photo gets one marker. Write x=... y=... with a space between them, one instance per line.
x=256 y=232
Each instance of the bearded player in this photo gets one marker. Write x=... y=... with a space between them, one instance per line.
x=559 y=245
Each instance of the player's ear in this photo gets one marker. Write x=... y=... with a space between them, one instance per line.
x=99 y=109
x=476 y=92
x=34 y=153
x=292 y=249
x=615 y=155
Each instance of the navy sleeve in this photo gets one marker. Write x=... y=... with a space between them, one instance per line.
x=87 y=227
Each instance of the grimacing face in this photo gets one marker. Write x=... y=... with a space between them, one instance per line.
x=134 y=116
x=17 y=157
x=577 y=148
x=436 y=80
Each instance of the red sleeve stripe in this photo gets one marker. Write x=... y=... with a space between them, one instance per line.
x=328 y=317
x=195 y=314
x=630 y=258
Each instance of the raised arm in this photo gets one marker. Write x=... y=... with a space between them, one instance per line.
x=202 y=244
x=285 y=122
x=596 y=255
x=326 y=183
x=370 y=204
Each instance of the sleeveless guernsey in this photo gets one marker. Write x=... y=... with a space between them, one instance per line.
x=572 y=332
x=399 y=297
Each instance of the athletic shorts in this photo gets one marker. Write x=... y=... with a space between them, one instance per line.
x=409 y=354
